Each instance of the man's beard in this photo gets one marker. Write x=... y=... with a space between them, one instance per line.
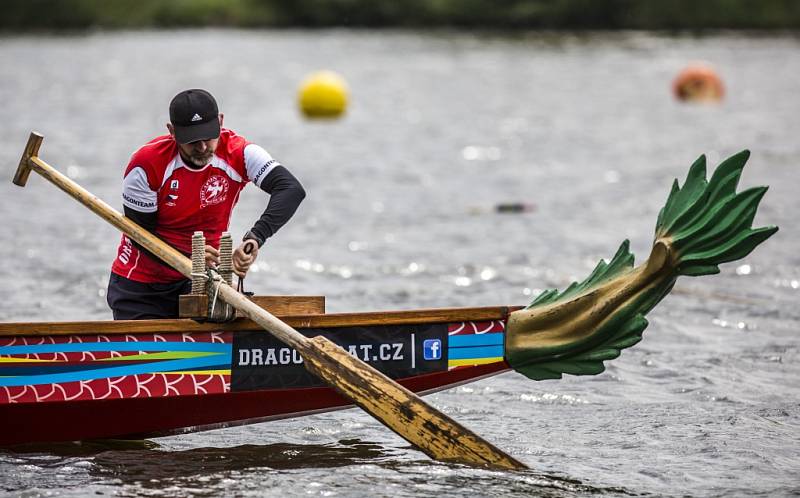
x=200 y=159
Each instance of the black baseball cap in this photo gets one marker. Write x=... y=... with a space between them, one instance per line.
x=194 y=115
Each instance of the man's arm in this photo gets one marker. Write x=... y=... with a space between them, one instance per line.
x=146 y=221
x=286 y=194
x=137 y=192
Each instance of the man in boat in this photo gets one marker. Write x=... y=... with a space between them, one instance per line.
x=188 y=181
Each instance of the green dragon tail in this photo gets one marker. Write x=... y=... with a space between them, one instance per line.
x=703 y=224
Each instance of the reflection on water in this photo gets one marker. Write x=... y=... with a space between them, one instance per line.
x=146 y=467
x=151 y=467
x=82 y=448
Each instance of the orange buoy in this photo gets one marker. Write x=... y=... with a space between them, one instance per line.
x=698 y=83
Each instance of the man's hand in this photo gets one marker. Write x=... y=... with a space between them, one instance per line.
x=244 y=256
x=212 y=257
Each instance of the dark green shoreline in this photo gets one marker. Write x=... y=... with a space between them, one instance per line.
x=669 y=15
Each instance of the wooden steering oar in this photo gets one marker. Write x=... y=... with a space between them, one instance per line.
x=430 y=430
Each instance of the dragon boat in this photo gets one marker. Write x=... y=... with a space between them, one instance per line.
x=62 y=381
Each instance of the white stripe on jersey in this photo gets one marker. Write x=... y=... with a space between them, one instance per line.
x=136 y=192
x=219 y=163
x=258 y=163
x=171 y=167
x=135 y=263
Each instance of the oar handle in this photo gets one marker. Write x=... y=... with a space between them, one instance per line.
x=31 y=150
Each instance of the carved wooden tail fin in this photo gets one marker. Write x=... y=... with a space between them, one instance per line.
x=703 y=224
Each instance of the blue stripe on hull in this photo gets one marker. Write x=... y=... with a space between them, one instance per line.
x=494 y=339
x=206 y=347
x=475 y=352
x=216 y=362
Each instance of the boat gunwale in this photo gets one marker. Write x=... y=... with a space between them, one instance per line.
x=328 y=320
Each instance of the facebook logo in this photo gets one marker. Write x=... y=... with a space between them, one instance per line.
x=432 y=349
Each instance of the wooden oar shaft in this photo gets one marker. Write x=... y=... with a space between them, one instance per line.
x=168 y=254
x=267 y=320
x=401 y=410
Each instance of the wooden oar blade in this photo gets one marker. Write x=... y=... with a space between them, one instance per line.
x=434 y=433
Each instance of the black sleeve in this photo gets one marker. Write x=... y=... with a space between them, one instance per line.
x=286 y=194
x=146 y=221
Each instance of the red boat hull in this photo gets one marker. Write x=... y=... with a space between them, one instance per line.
x=60 y=386
x=151 y=417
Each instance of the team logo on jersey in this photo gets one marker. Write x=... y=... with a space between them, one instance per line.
x=214 y=191
x=173 y=185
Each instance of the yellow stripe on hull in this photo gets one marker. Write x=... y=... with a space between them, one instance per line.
x=473 y=361
x=27 y=360
x=167 y=355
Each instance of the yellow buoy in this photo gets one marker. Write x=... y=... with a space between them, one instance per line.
x=323 y=95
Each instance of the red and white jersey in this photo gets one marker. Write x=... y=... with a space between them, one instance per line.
x=186 y=200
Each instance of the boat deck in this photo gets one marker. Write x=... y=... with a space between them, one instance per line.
x=185 y=325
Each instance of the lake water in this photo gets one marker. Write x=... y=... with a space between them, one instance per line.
x=442 y=127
